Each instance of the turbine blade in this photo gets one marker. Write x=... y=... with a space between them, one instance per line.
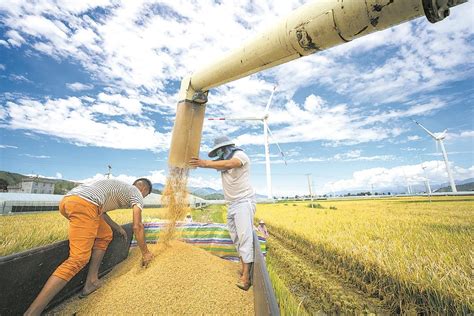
x=270 y=99
x=276 y=143
x=426 y=130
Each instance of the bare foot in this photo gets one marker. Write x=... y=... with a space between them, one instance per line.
x=243 y=284
x=90 y=287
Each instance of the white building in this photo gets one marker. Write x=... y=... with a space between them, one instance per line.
x=27 y=202
x=33 y=185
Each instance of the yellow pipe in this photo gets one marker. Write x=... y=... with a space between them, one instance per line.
x=313 y=27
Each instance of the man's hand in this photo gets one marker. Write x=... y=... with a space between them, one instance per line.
x=122 y=233
x=147 y=257
x=196 y=162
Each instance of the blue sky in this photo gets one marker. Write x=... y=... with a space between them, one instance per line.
x=87 y=84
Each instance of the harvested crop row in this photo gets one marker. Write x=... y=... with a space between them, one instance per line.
x=289 y=302
x=398 y=295
x=182 y=280
x=320 y=290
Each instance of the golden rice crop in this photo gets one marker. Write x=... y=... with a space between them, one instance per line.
x=21 y=232
x=407 y=252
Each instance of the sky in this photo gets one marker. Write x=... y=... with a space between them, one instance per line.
x=92 y=83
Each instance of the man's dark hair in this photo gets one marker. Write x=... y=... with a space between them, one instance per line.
x=146 y=181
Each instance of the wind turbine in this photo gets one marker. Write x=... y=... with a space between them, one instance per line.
x=266 y=132
x=439 y=138
x=427 y=181
x=407 y=182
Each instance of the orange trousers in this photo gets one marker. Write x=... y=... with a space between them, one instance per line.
x=87 y=230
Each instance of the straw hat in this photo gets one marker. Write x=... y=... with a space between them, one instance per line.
x=219 y=142
x=261 y=222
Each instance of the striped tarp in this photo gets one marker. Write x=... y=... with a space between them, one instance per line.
x=211 y=237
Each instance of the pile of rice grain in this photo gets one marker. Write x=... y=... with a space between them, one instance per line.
x=181 y=280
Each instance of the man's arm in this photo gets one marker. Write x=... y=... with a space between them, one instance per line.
x=115 y=226
x=111 y=222
x=218 y=165
x=139 y=232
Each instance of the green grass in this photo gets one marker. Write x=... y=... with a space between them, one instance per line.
x=212 y=213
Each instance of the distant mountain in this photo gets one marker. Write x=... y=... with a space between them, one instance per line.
x=415 y=188
x=203 y=191
x=460 y=187
x=157 y=188
x=213 y=196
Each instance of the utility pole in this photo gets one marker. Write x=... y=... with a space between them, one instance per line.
x=308 y=175
x=109 y=173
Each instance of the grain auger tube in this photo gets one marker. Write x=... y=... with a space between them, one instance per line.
x=313 y=27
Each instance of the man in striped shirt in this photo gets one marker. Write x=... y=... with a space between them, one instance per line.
x=90 y=232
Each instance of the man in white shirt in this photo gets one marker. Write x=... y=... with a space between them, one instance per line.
x=234 y=165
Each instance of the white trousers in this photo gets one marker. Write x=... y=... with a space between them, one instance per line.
x=240 y=223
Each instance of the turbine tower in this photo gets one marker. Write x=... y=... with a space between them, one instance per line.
x=266 y=132
x=109 y=173
x=439 y=139
x=427 y=181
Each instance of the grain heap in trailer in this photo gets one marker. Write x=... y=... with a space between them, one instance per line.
x=314 y=27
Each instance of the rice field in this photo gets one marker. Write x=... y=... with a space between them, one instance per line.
x=386 y=256
x=375 y=256
x=21 y=232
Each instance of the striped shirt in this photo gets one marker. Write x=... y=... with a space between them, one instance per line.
x=109 y=194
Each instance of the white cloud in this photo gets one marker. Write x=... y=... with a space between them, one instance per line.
x=77 y=86
x=4 y=43
x=313 y=103
x=413 y=149
x=339 y=124
x=463 y=134
x=159 y=176
x=397 y=177
x=76 y=122
x=19 y=78
x=209 y=182
x=2 y=67
x=121 y=177
x=413 y=138
x=136 y=49
x=8 y=146
x=14 y=38
x=36 y=156
x=59 y=175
